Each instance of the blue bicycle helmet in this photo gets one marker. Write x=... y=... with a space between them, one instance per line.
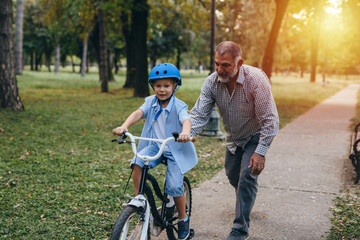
x=165 y=70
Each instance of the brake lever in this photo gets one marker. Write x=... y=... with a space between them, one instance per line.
x=122 y=139
x=118 y=141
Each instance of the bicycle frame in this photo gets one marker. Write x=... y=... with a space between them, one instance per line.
x=140 y=201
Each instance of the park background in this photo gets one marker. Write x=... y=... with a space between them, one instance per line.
x=81 y=68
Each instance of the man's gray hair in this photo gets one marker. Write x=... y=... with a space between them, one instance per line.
x=229 y=47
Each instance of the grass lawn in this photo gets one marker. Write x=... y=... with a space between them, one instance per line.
x=60 y=175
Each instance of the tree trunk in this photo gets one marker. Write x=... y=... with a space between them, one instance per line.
x=116 y=59
x=103 y=67
x=32 y=61
x=84 y=55
x=178 y=58
x=19 y=36
x=130 y=51
x=212 y=37
x=48 y=61
x=302 y=69
x=38 y=61
x=152 y=61
x=270 y=48
x=139 y=28
x=314 y=43
x=87 y=63
x=72 y=62
x=57 y=58
x=110 y=66
x=9 y=93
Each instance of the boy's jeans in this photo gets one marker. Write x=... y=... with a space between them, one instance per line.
x=174 y=178
x=245 y=184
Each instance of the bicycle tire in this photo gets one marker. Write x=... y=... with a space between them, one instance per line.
x=172 y=215
x=128 y=226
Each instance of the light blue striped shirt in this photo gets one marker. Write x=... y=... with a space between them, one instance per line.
x=248 y=110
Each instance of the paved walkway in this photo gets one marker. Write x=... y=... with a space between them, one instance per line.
x=302 y=176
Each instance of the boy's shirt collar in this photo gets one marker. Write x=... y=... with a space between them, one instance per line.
x=168 y=107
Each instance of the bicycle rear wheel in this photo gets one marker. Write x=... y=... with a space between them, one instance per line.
x=172 y=214
x=128 y=225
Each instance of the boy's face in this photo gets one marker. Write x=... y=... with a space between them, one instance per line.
x=164 y=88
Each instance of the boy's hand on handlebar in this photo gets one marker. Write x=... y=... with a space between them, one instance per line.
x=119 y=130
x=184 y=137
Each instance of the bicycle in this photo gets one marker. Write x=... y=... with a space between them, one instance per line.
x=141 y=217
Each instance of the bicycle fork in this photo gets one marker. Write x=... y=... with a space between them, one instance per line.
x=141 y=202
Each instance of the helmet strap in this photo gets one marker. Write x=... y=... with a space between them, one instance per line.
x=161 y=109
x=161 y=101
x=176 y=88
x=159 y=112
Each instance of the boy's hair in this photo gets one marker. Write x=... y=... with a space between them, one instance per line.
x=174 y=80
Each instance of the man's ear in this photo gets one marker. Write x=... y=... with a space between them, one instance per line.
x=240 y=63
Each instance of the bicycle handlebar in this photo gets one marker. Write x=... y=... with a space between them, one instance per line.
x=144 y=157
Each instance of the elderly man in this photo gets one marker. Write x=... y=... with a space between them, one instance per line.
x=247 y=108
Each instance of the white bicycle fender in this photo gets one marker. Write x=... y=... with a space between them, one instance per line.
x=138 y=201
x=146 y=224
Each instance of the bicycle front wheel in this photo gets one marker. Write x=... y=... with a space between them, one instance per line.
x=172 y=214
x=128 y=225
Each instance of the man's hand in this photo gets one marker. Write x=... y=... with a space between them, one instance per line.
x=257 y=162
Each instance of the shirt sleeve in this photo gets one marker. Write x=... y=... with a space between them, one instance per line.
x=266 y=112
x=183 y=114
x=146 y=106
x=200 y=113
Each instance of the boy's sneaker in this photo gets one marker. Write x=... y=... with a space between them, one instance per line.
x=184 y=229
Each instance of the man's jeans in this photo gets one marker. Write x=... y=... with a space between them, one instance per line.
x=245 y=184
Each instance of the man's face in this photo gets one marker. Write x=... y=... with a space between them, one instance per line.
x=226 y=67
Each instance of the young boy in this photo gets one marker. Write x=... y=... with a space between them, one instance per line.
x=165 y=114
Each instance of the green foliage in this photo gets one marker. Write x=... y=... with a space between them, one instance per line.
x=37 y=36
x=62 y=178
x=345 y=223
x=346 y=220
x=173 y=26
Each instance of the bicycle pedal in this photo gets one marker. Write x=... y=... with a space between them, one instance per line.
x=192 y=234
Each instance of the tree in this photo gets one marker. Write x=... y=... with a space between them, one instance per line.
x=134 y=16
x=247 y=23
x=19 y=36
x=9 y=94
x=38 y=39
x=351 y=45
x=56 y=21
x=87 y=15
x=103 y=66
x=315 y=41
x=140 y=15
x=126 y=20
x=270 y=48
x=173 y=27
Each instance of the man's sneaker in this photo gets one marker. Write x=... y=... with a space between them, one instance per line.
x=236 y=234
x=184 y=229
